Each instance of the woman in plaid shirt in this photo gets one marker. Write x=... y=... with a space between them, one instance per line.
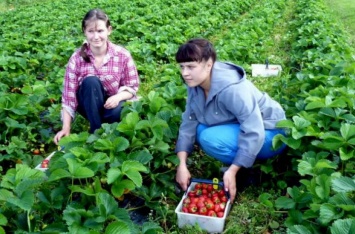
x=99 y=78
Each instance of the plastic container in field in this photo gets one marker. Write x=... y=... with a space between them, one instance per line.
x=265 y=70
x=207 y=223
x=39 y=166
x=47 y=159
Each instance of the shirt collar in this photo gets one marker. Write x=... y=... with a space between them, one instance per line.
x=110 y=50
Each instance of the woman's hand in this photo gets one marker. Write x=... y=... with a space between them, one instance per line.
x=60 y=134
x=183 y=176
x=230 y=181
x=66 y=127
x=112 y=102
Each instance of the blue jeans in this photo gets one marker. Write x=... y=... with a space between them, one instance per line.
x=91 y=99
x=221 y=142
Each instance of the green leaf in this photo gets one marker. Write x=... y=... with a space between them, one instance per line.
x=324 y=163
x=119 y=187
x=342 y=201
x=347 y=131
x=323 y=187
x=25 y=202
x=106 y=203
x=343 y=226
x=158 y=127
x=3 y=220
x=142 y=156
x=77 y=189
x=328 y=212
x=300 y=123
x=291 y=142
x=298 y=229
x=162 y=147
x=81 y=152
x=128 y=124
x=305 y=168
x=5 y=194
x=113 y=174
x=274 y=225
x=103 y=144
x=58 y=174
x=135 y=176
x=11 y=123
x=143 y=124
x=25 y=172
x=120 y=144
x=314 y=105
x=343 y=184
x=344 y=155
x=328 y=112
x=151 y=228
x=264 y=199
x=117 y=227
x=78 y=171
x=133 y=165
x=285 y=124
x=284 y=203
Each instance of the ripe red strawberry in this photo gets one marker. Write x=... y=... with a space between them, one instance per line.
x=204 y=186
x=192 y=208
x=204 y=191
x=191 y=193
x=220 y=214
x=217 y=208
x=222 y=205
x=221 y=192
x=209 y=187
x=202 y=210
x=224 y=198
x=187 y=200
x=198 y=186
x=200 y=204
x=209 y=204
x=212 y=213
x=216 y=200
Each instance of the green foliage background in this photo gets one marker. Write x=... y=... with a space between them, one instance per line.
x=310 y=189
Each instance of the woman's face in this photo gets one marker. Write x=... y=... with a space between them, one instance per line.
x=196 y=73
x=97 y=33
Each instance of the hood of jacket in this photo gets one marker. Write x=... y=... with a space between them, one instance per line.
x=223 y=75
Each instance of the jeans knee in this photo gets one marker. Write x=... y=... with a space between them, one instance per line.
x=91 y=81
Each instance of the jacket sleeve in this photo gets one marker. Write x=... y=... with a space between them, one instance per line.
x=244 y=106
x=187 y=131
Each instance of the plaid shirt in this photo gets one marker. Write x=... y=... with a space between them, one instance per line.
x=118 y=73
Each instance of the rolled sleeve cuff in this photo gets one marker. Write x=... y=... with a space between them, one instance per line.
x=244 y=159
x=181 y=147
x=69 y=110
x=128 y=89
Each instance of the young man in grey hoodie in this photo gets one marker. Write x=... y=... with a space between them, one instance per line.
x=225 y=114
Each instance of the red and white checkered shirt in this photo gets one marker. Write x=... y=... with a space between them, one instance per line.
x=118 y=73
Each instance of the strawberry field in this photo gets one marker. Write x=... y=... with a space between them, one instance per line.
x=100 y=181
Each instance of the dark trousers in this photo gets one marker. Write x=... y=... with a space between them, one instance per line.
x=91 y=98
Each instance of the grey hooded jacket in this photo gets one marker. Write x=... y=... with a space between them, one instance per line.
x=231 y=99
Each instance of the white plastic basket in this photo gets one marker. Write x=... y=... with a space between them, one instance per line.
x=264 y=70
x=39 y=166
x=207 y=223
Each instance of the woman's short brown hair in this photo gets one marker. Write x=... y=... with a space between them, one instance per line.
x=196 y=50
